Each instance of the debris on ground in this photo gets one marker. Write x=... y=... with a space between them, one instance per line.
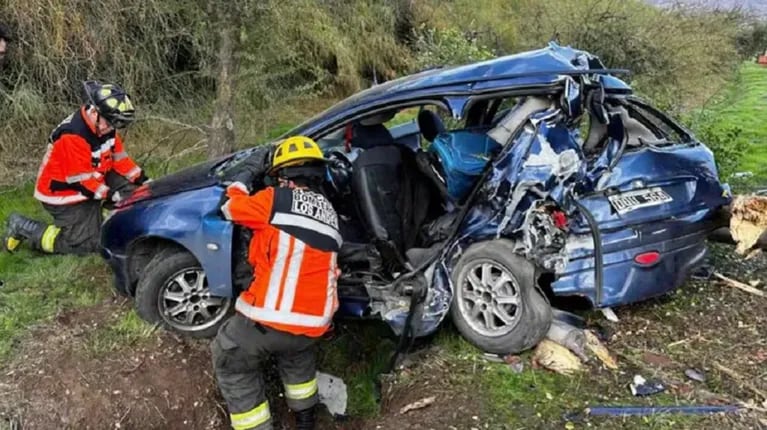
x=703 y=273
x=695 y=375
x=570 y=337
x=740 y=285
x=609 y=314
x=493 y=358
x=515 y=363
x=740 y=379
x=748 y=222
x=332 y=393
x=596 y=347
x=642 y=387
x=417 y=405
x=553 y=356
x=622 y=411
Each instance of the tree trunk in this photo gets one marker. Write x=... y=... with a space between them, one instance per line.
x=221 y=134
x=747 y=224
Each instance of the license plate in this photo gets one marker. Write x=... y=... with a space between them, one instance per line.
x=633 y=200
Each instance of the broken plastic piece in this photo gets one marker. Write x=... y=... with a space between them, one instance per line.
x=609 y=314
x=643 y=387
x=332 y=392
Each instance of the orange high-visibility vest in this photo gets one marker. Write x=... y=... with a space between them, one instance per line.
x=76 y=161
x=293 y=253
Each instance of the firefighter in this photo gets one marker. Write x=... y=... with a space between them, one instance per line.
x=291 y=302
x=85 y=165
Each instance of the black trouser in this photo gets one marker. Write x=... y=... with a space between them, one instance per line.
x=238 y=352
x=80 y=223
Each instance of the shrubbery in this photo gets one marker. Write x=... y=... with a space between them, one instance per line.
x=164 y=51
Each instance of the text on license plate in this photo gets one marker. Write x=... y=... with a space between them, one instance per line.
x=633 y=200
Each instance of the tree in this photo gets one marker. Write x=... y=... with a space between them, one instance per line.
x=221 y=136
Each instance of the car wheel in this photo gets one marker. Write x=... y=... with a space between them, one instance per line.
x=173 y=291
x=496 y=305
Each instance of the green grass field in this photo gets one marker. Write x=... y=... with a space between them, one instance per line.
x=36 y=287
x=744 y=105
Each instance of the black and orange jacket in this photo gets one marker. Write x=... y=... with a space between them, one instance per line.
x=76 y=161
x=293 y=253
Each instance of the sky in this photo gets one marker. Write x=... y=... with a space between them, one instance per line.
x=757 y=7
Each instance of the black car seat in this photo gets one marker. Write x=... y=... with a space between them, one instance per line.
x=392 y=196
x=430 y=124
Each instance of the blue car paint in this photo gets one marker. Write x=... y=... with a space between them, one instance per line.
x=191 y=218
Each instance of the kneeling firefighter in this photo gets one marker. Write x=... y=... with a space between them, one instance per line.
x=84 y=166
x=290 y=304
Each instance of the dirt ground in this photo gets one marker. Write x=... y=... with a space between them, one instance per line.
x=56 y=380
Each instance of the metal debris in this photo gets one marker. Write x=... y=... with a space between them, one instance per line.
x=652 y=410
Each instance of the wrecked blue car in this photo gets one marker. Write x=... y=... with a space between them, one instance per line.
x=482 y=193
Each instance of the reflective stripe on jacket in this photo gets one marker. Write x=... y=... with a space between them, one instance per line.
x=293 y=253
x=76 y=161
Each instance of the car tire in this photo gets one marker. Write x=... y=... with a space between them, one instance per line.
x=169 y=283
x=509 y=294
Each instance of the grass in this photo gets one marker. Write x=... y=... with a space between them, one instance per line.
x=358 y=354
x=744 y=104
x=36 y=287
x=540 y=399
x=126 y=330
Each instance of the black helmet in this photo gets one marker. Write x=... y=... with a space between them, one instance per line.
x=111 y=102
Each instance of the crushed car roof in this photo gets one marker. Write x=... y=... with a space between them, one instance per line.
x=535 y=68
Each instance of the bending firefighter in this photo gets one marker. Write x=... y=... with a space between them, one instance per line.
x=291 y=302
x=84 y=166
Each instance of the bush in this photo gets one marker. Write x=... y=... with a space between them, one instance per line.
x=725 y=140
x=436 y=47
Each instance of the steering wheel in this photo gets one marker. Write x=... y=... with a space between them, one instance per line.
x=339 y=169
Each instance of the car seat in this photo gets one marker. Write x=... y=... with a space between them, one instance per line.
x=430 y=124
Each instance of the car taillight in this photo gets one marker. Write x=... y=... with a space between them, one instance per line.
x=647 y=258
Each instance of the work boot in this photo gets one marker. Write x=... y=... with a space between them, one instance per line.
x=305 y=419
x=20 y=228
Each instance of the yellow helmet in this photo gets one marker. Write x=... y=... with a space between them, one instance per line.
x=295 y=151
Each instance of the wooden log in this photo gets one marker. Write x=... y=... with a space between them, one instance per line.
x=748 y=223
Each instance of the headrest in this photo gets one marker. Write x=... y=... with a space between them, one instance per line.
x=369 y=136
x=430 y=124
